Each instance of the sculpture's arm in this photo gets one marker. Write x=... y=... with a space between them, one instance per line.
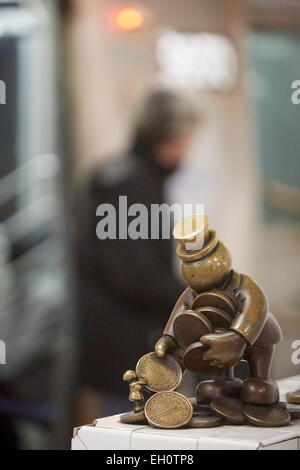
x=167 y=342
x=183 y=303
x=227 y=348
x=250 y=321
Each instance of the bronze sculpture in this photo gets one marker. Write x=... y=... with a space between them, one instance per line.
x=293 y=397
x=221 y=318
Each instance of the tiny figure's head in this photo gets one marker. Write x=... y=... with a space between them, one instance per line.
x=205 y=261
x=129 y=375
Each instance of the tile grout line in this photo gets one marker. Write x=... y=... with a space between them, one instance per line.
x=131 y=433
x=82 y=442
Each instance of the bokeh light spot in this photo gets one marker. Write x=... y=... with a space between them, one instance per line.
x=129 y=19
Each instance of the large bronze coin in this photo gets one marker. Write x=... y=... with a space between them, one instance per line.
x=267 y=415
x=161 y=374
x=189 y=326
x=168 y=410
x=193 y=360
x=293 y=397
x=230 y=409
x=207 y=420
x=217 y=300
x=294 y=412
x=217 y=317
x=134 y=418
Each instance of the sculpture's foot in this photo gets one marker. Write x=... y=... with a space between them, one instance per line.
x=259 y=391
x=210 y=390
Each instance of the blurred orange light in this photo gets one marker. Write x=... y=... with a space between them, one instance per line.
x=129 y=19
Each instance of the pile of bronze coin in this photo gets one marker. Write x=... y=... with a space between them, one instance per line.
x=168 y=409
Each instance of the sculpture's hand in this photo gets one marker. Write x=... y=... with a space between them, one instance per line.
x=166 y=344
x=225 y=348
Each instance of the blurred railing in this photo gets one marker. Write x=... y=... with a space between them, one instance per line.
x=36 y=320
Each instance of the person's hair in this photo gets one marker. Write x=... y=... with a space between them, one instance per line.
x=164 y=115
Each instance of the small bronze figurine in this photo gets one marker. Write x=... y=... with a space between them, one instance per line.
x=137 y=416
x=221 y=318
x=135 y=389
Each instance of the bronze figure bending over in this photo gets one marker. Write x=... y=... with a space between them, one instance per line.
x=220 y=319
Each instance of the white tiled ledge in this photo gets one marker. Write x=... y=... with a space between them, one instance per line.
x=109 y=434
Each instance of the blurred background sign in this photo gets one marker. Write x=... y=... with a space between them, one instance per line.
x=196 y=61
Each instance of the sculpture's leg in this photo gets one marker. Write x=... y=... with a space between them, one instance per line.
x=260 y=360
x=222 y=385
x=259 y=388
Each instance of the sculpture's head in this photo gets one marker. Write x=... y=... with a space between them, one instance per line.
x=205 y=261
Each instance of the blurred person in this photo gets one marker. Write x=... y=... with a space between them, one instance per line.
x=127 y=287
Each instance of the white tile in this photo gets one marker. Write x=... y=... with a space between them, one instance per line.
x=187 y=433
x=108 y=421
x=104 y=438
x=211 y=443
x=113 y=422
x=141 y=441
x=292 y=430
x=77 y=444
x=108 y=433
x=231 y=437
x=255 y=436
x=291 y=444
